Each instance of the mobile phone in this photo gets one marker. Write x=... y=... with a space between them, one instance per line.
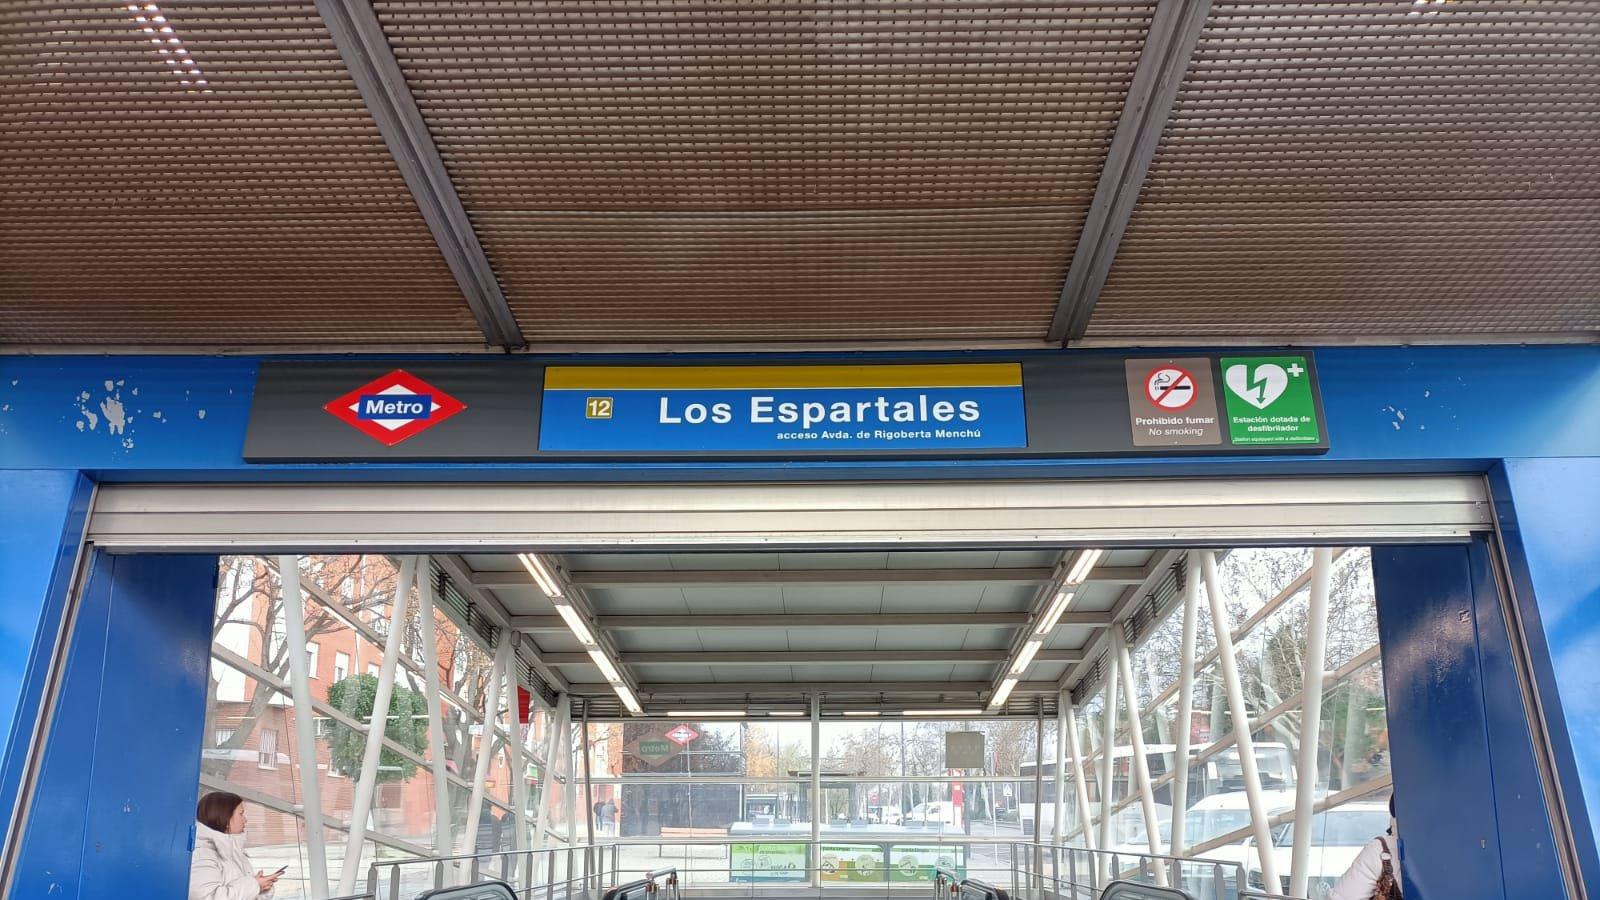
x=280 y=871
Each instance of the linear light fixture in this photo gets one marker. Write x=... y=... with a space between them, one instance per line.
x=628 y=699
x=1083 y=565
x=862 y=712
x=942 y=713
x=608 y=669
x=152 y=22
x=705 y=713
x=1047 y=622
x=574 y=620
x=542 y=576
x=1026 y=655
x=794 y=713
x=1003 y=693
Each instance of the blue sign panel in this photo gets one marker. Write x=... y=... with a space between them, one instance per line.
x=802 y=408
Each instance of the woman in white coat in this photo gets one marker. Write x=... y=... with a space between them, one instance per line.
x=219 y=869
x=1375 y=873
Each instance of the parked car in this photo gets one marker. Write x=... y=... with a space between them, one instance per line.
x=1337 y=837
x=936 y=813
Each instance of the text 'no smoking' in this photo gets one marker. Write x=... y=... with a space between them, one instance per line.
x=1170 y=387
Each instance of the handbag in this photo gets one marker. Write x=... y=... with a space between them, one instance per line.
x=1388 y=887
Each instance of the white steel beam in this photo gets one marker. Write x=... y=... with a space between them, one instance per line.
x=1063 y=701
x=294 y=618
x=720 y=577
x=1229 y=663
x=519 y=761
x=815 y=805
x=1305 y=776
x=436 y=751
x=1141 y=764
x=367 y=777
x=547 y=774
x=1180 y=768
x=491 y=706
x=461 y=576
x=797 y=657
x=1108 y=753
x=1080 y=781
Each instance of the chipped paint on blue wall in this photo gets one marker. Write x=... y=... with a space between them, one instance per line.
x=105 y=410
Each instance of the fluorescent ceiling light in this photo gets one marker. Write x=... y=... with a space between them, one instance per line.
x=704 y=713
x=628 y=700
x=1051 y=616
x=862 y=712
x=542 y=575
x=607 y=669
x=942 y=712
x=1003 y=694
x=1026 y=656
x=1083 y=565
x=786 y=712
x=574 y=620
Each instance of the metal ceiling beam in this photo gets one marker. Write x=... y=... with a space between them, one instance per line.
x=834 y=688
x=802 y=657
x=366 y=52
x=810 y=620
x=1097 y=647
x=458 y=571
x=717 y=577
x=1168 y=46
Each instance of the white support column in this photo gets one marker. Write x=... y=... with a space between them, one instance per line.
x=436 y=752
x=1079 y=778
x=568 y=756
x=1141 y=764
x=547 y=775
x=519 y=761
x=294 y=619
x=1246 y=744
x=1305 y=776
x=491 y=706
x=1108 y=748
x=815 y=855
x=377 y=726
x=588 y=780
x=1059 y=836
x=1038 y=788
x=1185 y=710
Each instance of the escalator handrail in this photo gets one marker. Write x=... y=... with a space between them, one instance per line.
x=647 y=884
x=1143 y=891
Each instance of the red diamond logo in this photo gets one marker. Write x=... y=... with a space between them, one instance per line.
x=682 y=735
x=394 y=407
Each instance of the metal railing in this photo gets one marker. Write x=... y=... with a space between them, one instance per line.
x=768 y=866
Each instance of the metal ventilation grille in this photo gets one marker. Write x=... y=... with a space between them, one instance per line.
x=794 y=169
x=217 y=183
x=1373 y=168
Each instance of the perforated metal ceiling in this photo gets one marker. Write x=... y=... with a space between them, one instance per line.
x=1373 y=168
x=217 y=183
x=779 y=170
x=802 y=171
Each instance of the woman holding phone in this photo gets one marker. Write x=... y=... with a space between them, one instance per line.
x=219 y=869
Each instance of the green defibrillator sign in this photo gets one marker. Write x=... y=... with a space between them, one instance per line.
x=1270 y=400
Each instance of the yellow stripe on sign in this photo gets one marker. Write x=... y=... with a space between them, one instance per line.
x=645 y=378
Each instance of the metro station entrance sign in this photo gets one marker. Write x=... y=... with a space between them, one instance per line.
x=1090 y=404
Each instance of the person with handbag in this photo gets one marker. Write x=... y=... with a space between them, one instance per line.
x=1375 y=874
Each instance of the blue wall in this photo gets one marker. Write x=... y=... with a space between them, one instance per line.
x=42 y=516
x=112 y=812
x=1549 y=511
x=1473 y=821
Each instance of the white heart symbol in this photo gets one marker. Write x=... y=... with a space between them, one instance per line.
x=1268 y=384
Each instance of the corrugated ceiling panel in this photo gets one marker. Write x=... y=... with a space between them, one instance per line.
x=216 y=183
x=782 y=170
x=1373 y=168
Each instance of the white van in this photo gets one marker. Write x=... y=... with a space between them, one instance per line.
x=1337 y=837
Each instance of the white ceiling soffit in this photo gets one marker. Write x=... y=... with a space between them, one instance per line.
x=471 y=517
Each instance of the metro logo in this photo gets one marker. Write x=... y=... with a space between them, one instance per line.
x=380 y=406
x=395 y=407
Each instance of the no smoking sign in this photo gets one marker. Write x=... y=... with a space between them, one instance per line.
x=1170 y=388
x=1172 y=402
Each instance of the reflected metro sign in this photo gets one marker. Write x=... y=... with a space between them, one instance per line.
x=394 y=407
x=682 y=735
